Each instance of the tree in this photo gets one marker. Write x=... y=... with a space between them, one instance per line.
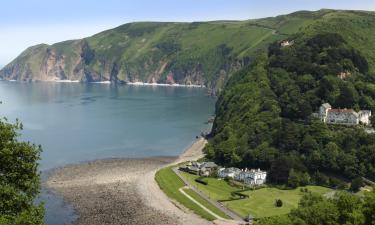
x=279 y=203
x=293 y=179
x=356 y=184
x=19 y=178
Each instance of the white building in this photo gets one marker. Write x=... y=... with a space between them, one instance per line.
x=343 y=116
x=228 y=172
x=286 y=43
x=252 y=177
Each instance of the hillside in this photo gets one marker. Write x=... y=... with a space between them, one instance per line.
x=264 y=115
x=197 y=53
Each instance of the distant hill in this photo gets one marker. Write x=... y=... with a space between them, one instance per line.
x=189 y=53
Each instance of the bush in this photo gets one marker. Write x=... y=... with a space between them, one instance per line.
x=279 y=203
x=201 y=181
x=356 y=184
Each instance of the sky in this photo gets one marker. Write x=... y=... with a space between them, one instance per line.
x=24 y=23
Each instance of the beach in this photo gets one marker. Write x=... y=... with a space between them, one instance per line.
x=123 y=191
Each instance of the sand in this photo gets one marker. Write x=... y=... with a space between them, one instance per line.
x=123 y=191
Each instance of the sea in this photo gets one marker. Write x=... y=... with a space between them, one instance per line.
x=79 y=122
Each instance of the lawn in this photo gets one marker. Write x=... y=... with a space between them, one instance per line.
x=216 y=189
x=206 y=203
x=261 y=203
x=170 y=183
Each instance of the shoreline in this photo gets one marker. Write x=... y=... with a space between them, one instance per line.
x=123 y=191
x=109 y=82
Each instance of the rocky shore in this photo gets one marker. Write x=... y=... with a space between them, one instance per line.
x=122 y=191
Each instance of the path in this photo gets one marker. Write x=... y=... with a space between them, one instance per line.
x=200 y=205
x=218 y=205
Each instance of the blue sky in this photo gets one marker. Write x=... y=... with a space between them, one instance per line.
x=28 y=22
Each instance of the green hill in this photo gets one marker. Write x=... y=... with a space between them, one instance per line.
x=264 y=115
x=197 y=53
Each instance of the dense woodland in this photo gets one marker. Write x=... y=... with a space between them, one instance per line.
x=264 y=115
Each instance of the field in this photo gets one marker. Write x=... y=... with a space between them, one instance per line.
x=170 y=183
x=261 y=203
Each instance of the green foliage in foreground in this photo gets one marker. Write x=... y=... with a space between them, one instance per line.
x=344 y=208
x=263 y=117
x=170 y=183
x=19 y=179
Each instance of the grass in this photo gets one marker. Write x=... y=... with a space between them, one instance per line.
x=261 y=203
x=216 y=189
x=170 y=183
x=206 y=203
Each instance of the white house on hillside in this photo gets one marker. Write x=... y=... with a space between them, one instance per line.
x=252 y=177
x=343 y=116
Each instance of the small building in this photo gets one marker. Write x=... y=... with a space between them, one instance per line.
x=207 y=168
x=201 y=169
x=286 y=43
x=344 y=75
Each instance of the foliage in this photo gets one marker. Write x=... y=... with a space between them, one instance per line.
x=344 y=208
x=279 y=203
x=19 y=178
x=356 y=184
x=263 y=117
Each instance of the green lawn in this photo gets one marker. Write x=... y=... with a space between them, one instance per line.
x=170 y=183
x=206 y=203
x=216 y=189
x=261 y=203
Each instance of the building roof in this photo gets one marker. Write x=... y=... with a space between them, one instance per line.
x=209 y=165
x=341 y=110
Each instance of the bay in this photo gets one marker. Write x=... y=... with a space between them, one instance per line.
x=76 y=122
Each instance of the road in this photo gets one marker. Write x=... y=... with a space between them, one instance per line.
x=218 y=205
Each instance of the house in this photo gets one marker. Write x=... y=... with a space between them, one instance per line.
x=228 y=172
x=286 y=43
x=344 y=75
x=207 y=168
x=201 y=169
x=252 y=177
x=343 y=116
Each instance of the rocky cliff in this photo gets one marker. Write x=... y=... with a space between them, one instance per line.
x=186 y=53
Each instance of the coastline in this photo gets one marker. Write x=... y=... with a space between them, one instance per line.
x=126 y=83
x=123 y=191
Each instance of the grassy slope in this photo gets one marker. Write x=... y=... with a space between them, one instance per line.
x=261 y=202
x=138 y=49
x=170 y=183
x=216 y=189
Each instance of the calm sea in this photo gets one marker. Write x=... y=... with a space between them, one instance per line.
x=77 y=122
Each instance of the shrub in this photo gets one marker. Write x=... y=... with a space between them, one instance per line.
x=356 y=184
x=279 y=203
x=201 y=181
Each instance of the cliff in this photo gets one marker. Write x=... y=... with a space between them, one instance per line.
x=186 y=53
